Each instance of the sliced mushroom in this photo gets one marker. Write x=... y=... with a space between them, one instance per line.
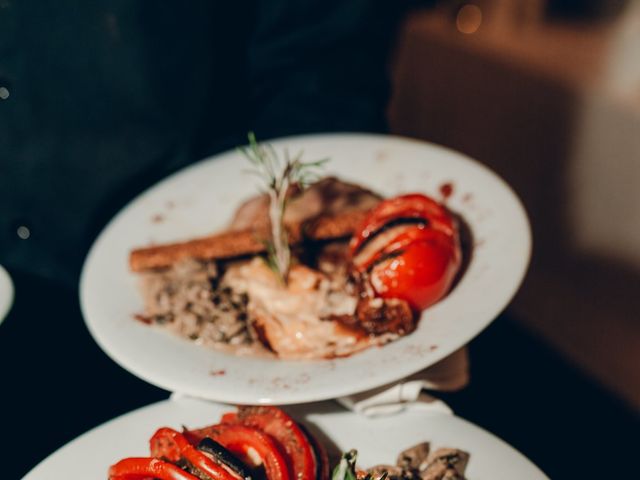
x=444 y=464
x=440 y=471
x=413 y=457
x=450 y=457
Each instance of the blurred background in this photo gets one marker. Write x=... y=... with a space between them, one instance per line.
x=546 y=93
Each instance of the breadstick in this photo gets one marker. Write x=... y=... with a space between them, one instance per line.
x=238 y=243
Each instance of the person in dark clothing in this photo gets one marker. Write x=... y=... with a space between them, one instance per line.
x=108 y=97
x=102 y=99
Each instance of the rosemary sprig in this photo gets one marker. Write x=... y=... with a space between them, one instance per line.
x=279 y=175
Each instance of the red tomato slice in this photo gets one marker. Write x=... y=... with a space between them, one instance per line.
x=280 y=426
x=410 y=248
x=163 y=445
x=410 y=206
x=144 y=468
x=246 y=443
x=168 y=444
x=420 y=268
x=320 y=454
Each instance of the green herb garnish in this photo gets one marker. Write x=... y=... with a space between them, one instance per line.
x=279 y=176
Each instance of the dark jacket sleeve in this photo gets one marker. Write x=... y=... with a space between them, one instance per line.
x=320 y=65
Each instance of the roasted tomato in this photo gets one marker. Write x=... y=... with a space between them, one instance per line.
x=249 y=444
x=408 y=248
x=280 y=426
x=320 y=454
x=145 y=468
x=167 y=444
x=413 y=208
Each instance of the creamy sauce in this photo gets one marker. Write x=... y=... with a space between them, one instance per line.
x=295 y=318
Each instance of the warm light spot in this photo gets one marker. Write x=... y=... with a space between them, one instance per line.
x=469 y=19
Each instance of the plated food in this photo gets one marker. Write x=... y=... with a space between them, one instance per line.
x=201 y=199
x=379 y=440
x=259 y=442
x=304 y=271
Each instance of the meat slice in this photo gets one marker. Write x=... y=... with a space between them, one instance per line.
x=295 y=320
x=328 y=196
x=378 y=316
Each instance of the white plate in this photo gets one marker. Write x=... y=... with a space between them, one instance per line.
x=378 y=440
x=6 y=293
x=200 y=199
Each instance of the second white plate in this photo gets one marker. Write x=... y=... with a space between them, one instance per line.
x=378 y=440
x=6 y=293
x=201 y=199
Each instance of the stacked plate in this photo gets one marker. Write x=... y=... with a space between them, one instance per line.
x=6 y=293
x=201 y=200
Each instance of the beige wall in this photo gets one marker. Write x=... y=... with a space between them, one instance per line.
x=545 y=109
